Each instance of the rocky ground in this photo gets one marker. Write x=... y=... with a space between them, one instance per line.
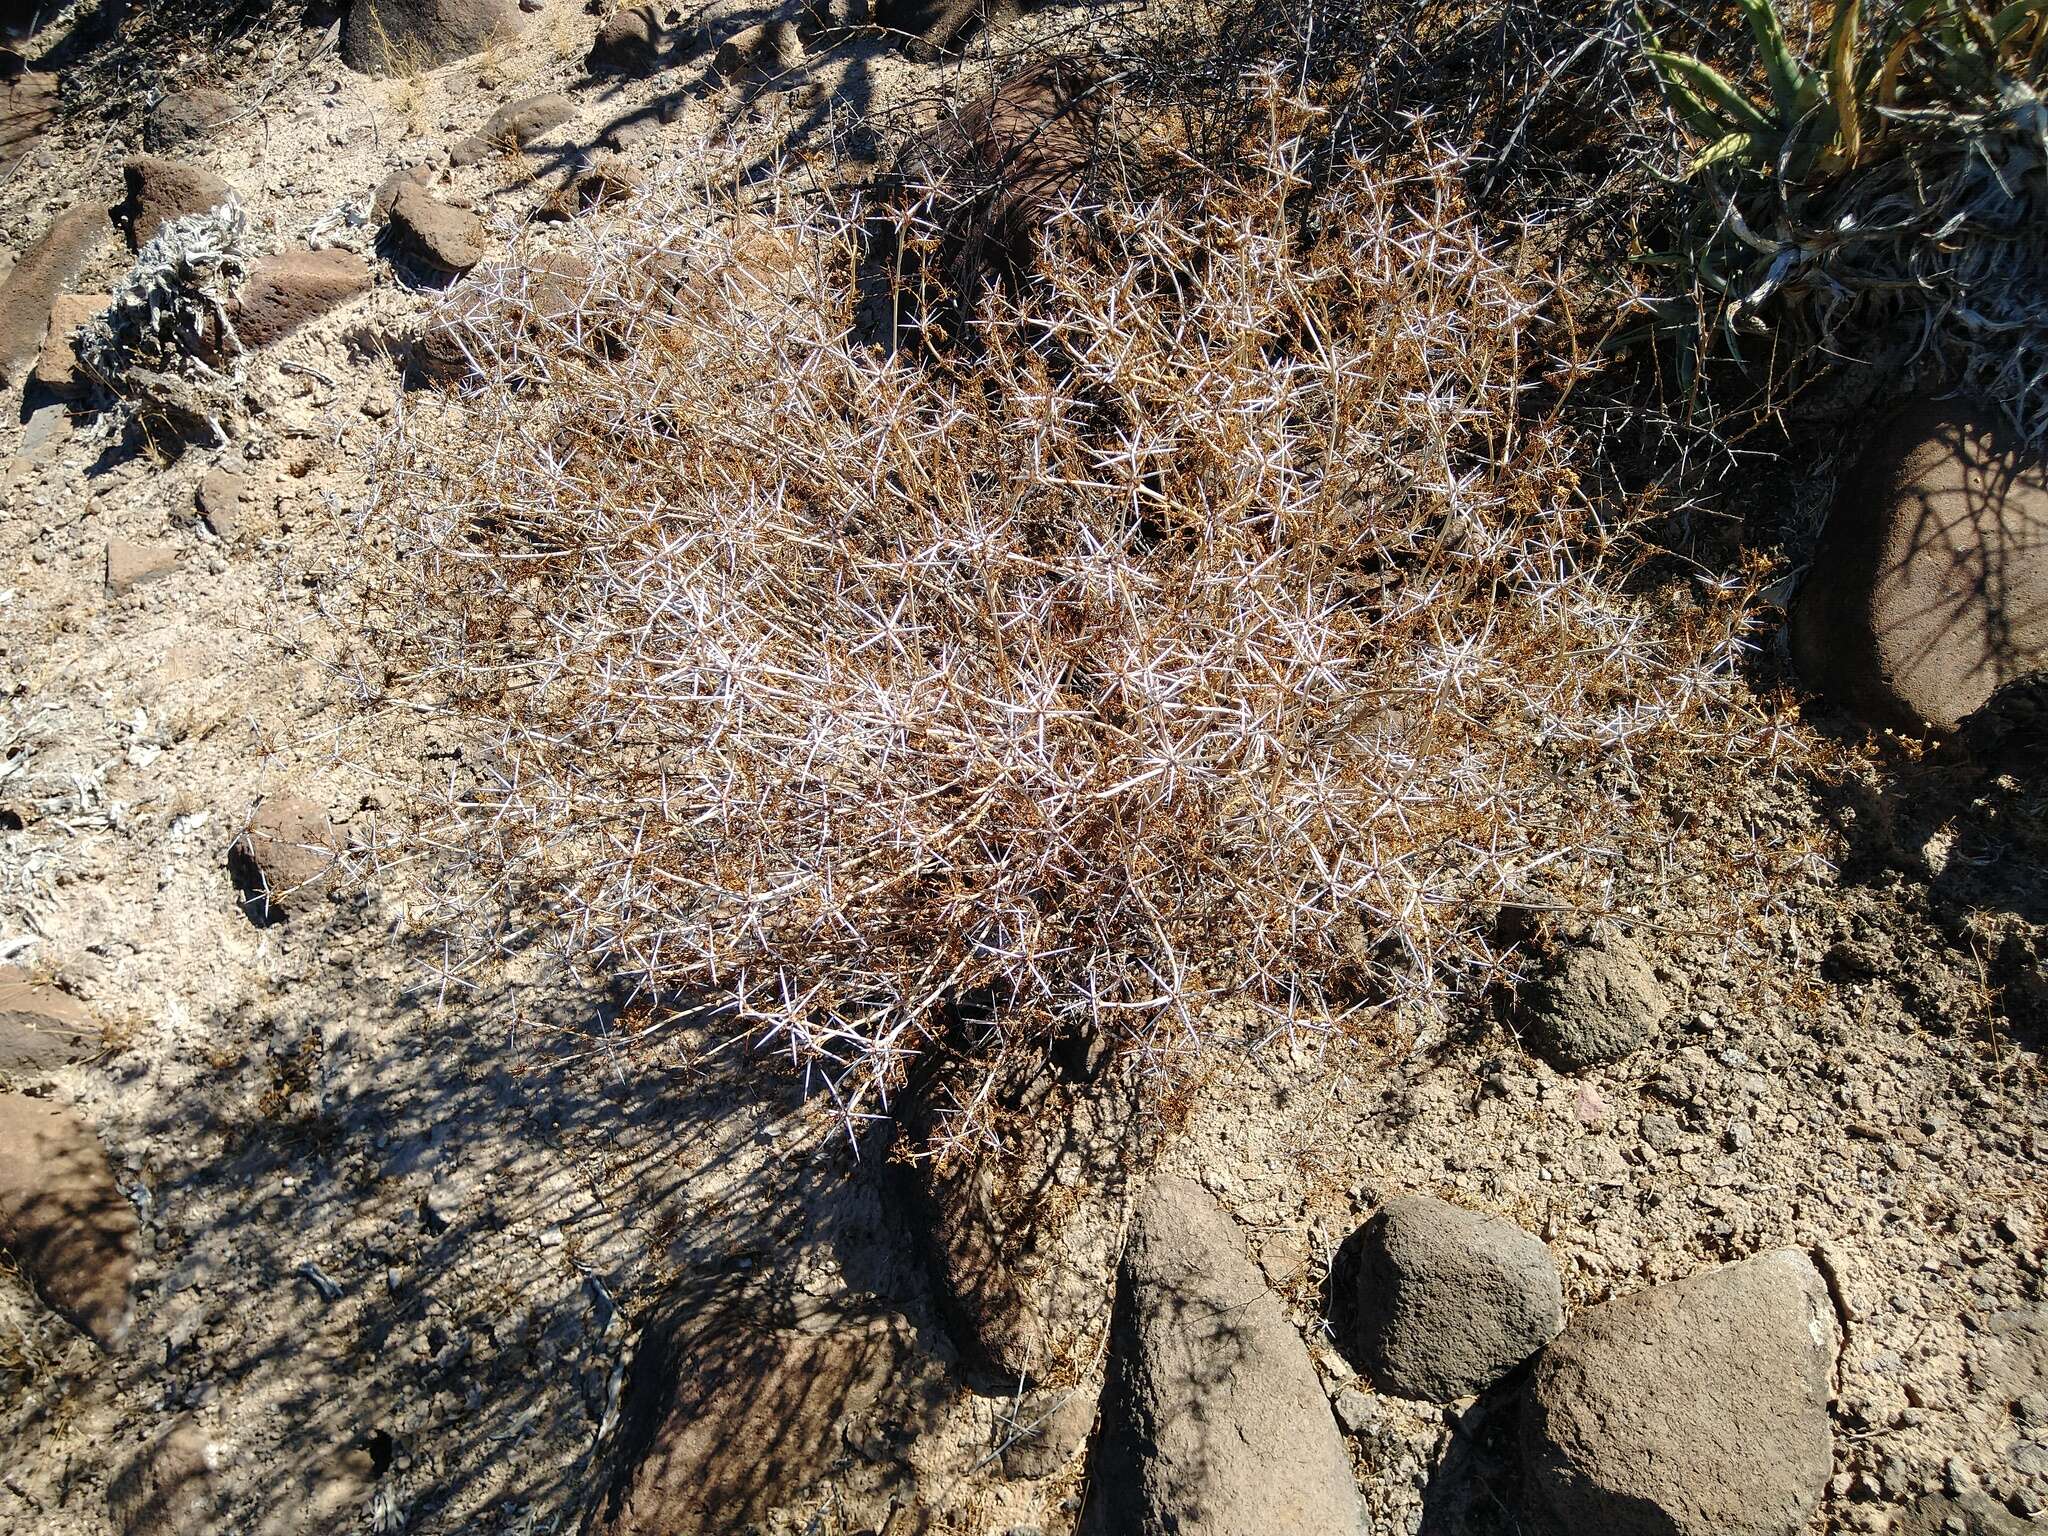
x=400 y=1251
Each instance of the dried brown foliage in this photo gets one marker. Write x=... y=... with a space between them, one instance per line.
x=1201 y=656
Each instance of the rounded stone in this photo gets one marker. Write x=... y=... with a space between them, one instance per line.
x=1599 y=1005
x=1698 y=1408
x=190 y=117
x=406 y=37
x=445 y=237
x=285 y=858
x=630 y=43
x=1213 y=1420
x=1449 y=1300
x=160 y=190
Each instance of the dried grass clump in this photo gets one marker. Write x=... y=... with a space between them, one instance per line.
x=1202 y=655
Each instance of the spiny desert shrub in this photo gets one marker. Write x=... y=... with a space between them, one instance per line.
x=1202 y=655
x=1884 y=201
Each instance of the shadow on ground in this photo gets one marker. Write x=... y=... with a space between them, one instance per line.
x=394 y=1256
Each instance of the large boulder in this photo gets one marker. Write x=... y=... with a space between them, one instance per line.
x=1022 y=1241
x=1597 y=1005
x=1698 y=1408
x=41 y=1028
x=43 y=272
x=63 y=1221
x=1930 y=585
x=160 y=190
x=1213 y=1421
x=1449 y=1300
x=728 y=1416
x=405 y=37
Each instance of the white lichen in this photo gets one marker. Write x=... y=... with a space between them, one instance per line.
x=166 y=347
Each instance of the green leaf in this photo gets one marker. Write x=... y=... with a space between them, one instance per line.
x=2013 y=17
x=1702 y=96
x=1748 y=148
x=1795 y=87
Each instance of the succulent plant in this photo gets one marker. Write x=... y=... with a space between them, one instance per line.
x=1885 y=197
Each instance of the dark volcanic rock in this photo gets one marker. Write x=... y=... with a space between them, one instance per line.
x=62 y=1220
x=446 y=238
x=519 y=123
x=160 y=190
x=1930 y=585
x=43 y=272
x=1214 y=1423
x=631 y=43
x=187 y=119
x=514 y=126
x=406 y=37
x=292 y=288
x=1598 y=1005
x=933 y=29
x=1698 y=1408
x=728 y=1416
x=388 y=189
x=284 y=860
x=1449 y=1300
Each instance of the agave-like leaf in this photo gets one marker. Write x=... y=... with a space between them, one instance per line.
x=1703 y=96
x=2014 y=17
x=1748 y=148
x=1842 y=51
x=1886 y=95
x=1795 y=87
